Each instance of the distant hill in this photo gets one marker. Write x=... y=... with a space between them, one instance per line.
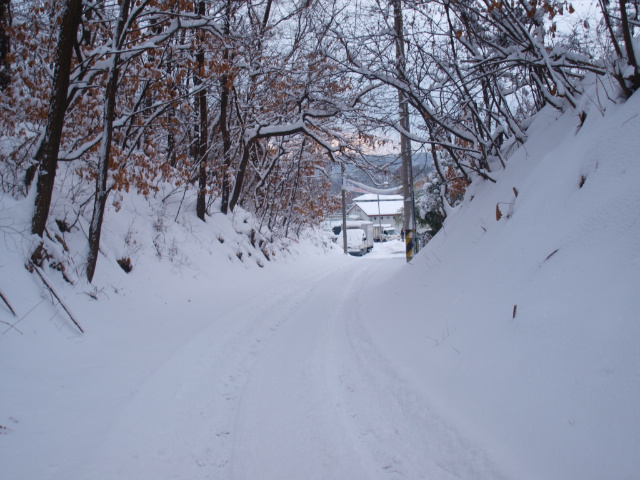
x=386 y=169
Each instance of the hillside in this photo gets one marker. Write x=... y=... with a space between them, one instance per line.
x=524 y=329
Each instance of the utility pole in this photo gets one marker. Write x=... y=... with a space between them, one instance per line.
x=344 y=215
x=379 y=221
x=405 y=142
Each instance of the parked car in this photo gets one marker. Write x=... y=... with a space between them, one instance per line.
x=390 y=234
x=356 y=241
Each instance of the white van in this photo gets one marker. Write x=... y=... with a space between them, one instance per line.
x=356 y=241
x=365 y=226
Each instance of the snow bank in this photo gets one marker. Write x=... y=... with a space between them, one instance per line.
x=61 y=392
x=525 y=329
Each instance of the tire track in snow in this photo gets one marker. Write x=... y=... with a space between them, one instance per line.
x=323 y=403
x=286 y=386
x=181 y=421
x=397 y=429
x=286 y=424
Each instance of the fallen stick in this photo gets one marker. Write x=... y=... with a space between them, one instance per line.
x=13 y=325
x=53 y=292
x=4 y=299
x=10 y=327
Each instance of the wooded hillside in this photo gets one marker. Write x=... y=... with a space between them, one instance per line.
x=251 y=103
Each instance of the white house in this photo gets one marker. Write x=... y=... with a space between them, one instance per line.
x=367 y=207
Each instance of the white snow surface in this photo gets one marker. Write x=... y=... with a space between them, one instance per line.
x=489 y=356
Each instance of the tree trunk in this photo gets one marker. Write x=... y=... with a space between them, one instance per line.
x=242 y=169
x=201 y=100
x=225 y=93
x=47 y=155
x=628 y=43
x=171 y=114
x=292 y=197
x=201 y=204
x=5 y=43
x=405 y=143
x=226 y=143
x=102 y=192
x=230 y=199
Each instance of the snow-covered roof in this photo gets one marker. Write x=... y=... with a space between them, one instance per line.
x=372 y=197
x=389 y=207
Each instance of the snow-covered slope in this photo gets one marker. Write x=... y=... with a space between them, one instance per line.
x=526 y=329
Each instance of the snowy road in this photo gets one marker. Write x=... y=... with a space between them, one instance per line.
x=283 y=385
x=286 y=386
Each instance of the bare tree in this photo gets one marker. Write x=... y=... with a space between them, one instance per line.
x=47 y=155
x=102 y=192
x=473 y=73
x=624 y=65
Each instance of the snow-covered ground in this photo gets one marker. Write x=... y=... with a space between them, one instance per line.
x=278 y=380
x=506 y=349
